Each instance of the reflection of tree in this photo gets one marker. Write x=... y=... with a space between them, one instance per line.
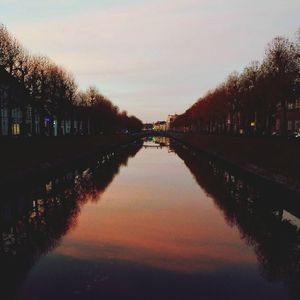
x=257 y=213
x=33 y=222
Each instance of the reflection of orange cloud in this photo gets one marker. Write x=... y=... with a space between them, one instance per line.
x=163 y=239
x=205 y=259
x=144 y=218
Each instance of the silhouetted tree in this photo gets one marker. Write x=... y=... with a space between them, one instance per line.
x=248 y=102
x=53 y=95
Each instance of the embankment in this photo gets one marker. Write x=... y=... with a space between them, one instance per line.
x=273 y=160
x=31 y=158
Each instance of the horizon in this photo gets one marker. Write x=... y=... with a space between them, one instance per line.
x=151 y=59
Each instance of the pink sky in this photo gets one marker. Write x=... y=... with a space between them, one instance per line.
x=154 y=57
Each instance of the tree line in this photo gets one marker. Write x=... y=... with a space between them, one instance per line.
x=54 y=95
x=250 y=102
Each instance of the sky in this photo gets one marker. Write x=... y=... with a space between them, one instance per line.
x=151 y=58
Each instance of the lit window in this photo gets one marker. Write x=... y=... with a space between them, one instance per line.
x=15 y=129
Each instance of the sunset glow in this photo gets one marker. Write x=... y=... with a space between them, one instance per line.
x=148 y=55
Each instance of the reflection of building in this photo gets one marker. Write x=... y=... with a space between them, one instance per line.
x=162 y=140
x=33 y=220
x=266 y=226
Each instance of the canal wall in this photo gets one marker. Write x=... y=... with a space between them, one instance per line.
x=273 y=162
x=31 y=160
x=238 y=155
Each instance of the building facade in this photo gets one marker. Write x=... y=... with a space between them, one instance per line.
x=20 y=117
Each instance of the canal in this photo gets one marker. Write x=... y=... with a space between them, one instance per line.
x=150 y=221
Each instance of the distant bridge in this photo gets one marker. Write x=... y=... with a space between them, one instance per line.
x=154 y=146
x=155 y=133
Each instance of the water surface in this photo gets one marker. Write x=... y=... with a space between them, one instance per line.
x=159 y=225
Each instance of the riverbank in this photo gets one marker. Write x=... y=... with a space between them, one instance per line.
x=274 y=160
x=22 y=159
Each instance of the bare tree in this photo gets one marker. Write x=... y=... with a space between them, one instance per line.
x=282 y=67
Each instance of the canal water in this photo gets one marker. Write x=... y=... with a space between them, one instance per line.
x=150 y=222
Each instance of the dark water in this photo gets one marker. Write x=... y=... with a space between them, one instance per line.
x=148 y=223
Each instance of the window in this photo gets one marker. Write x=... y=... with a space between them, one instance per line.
x=15 y=129
x=16 y=114
x=68 y=126
x=4 y=120
x=277 y=124
x=3 y=95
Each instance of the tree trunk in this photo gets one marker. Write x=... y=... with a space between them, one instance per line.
x=33 y=117
x=23 y=123
x=9 y=120
x=1 y=133
x=42 y=120
x=58 y=120
x=283 y=125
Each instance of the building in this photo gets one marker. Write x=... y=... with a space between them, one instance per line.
x=160 y=126
x=147 y=126
x=170 y=120
x=292 y=118
x=15 y=109
x=20 y=116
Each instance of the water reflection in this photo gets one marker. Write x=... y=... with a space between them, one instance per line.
x=155 y=234
x=32 y=222
x=260 y=215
